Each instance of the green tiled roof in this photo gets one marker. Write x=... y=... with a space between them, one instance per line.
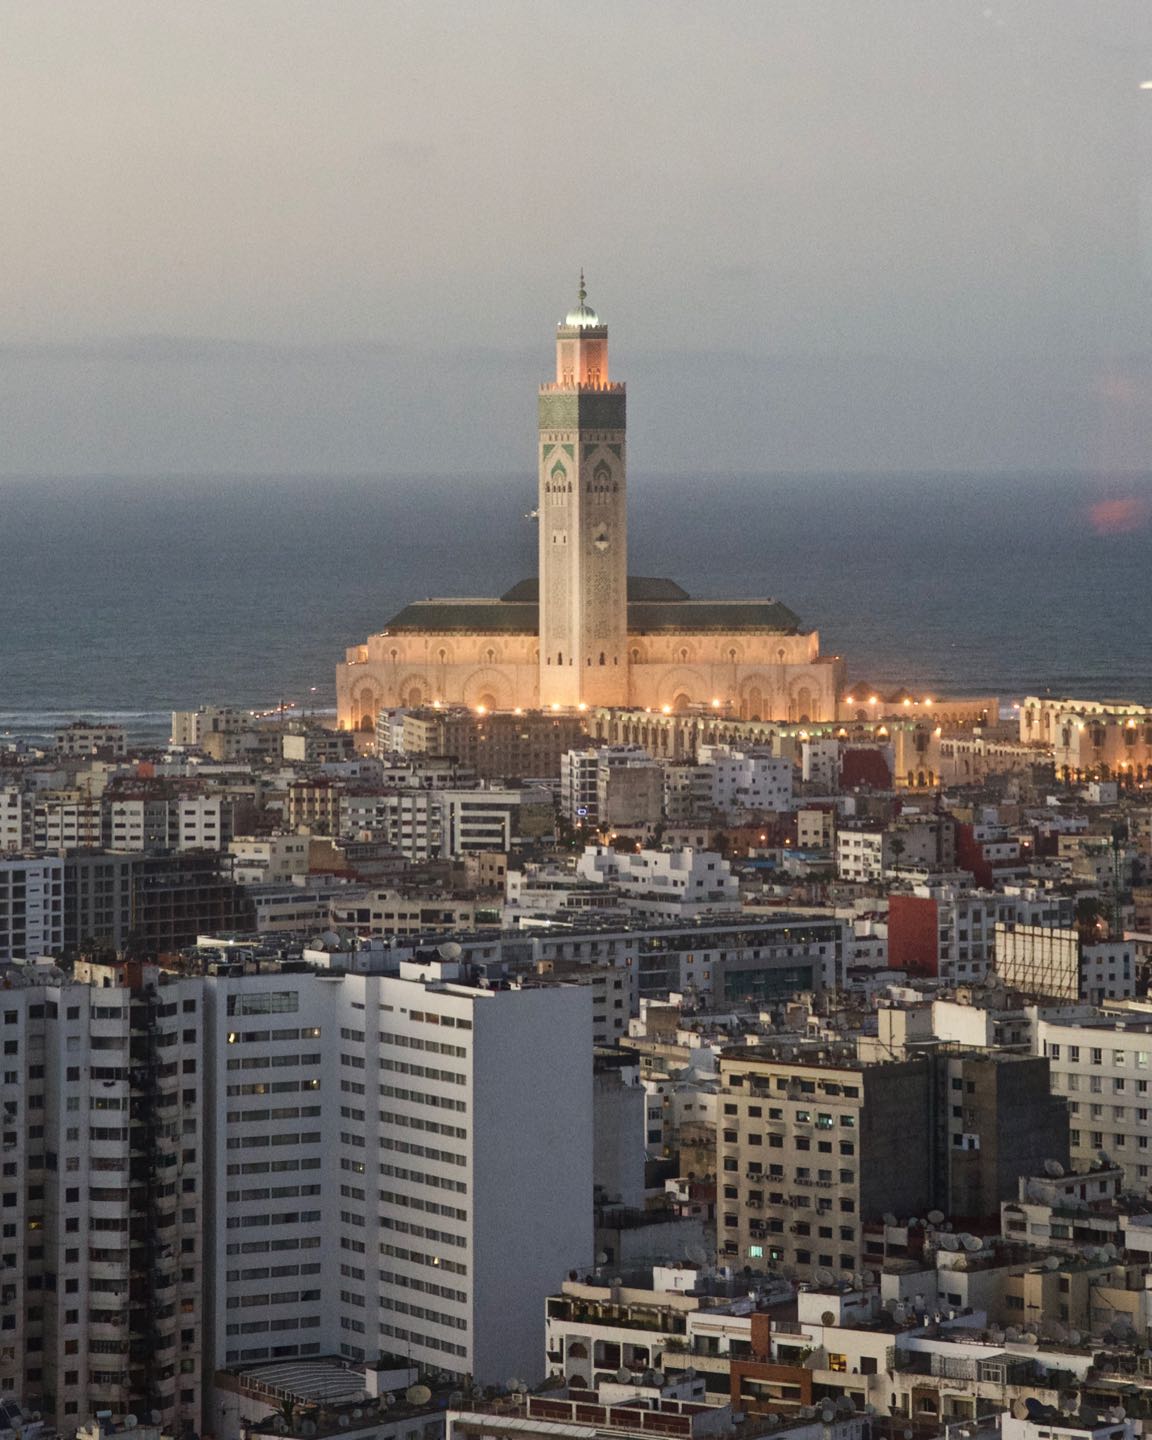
x=725 y=616
x=640 y=587
x=663 y=615
x=468 y=617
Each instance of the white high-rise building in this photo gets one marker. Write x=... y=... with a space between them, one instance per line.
x=403 y=1163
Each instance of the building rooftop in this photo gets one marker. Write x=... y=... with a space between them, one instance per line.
x=655 y=606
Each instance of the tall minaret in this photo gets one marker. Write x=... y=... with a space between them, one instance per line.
x=583 y=521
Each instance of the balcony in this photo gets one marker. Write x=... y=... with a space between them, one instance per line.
x=109 y=1270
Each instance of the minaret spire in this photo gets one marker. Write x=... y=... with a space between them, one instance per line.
x=583 y=520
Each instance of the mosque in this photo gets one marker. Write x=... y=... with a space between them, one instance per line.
x=585 y=633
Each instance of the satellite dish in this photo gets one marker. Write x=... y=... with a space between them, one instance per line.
x=1052 y=1263
x=1019 y=1410
x=1053 y=1168
x=1012 y=1333
x=602 y=1258
x=624 y=1375
x=358 y=1413
x=1028 y=1338
x=130 y=1422
x=828 y=1318
x=388 y=1401
x=889 y=1218
x=948 y=1242
x=417 y=1394
x=308 y=1427
x=330 y=939
x=450 y=950
x=827 y=1413
x=935 y=1217
x=970 y=1242
x=1074 y=1337
x=344 y=1422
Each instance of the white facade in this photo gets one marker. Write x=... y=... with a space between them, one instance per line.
x=748 y=779
x=202 y=822
x=428 y=1141
x=664 y=884
x=1104 y=1069
x=66 y=820
x=820 y=762
x=31 y=907
x=483 y=819
x=861 y=855
x=408 y=819
x=268 y=859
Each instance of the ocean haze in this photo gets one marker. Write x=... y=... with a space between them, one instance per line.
x=271 y=236
x=125 y=596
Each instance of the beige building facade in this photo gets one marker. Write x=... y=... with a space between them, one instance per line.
x=586 y=633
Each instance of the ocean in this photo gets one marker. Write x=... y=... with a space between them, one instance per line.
x=126 y=598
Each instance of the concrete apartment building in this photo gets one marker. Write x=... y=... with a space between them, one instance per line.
x=1102 y=1066
x=268 y=859
x=1056 y=963
x=398 y=1156
x=584 y=775
x=947 y=932
x=505 y=745
x=387 y=912
x=664 y=884
x=409 y=820
x=191 y=729
x=744 y=780
x=808 y=1149
x=31 y=906
x=15 y=820
x=812 y=1145
x=65 y=820
x=91 y=737
x=101 y=1192
x=630 y=795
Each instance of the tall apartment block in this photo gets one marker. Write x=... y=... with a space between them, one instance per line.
x=402 y=1164
x=812 y=1145
x=807 y=1148
x=100 y=1194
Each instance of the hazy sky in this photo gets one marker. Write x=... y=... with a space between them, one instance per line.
x=335 y=235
